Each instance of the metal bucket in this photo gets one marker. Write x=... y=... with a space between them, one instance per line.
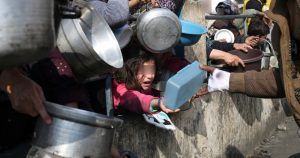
x=75 y=133
x=26 y=31
x=88 y=44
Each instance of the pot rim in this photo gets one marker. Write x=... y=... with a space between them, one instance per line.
x=82 y=116
x=246 y=61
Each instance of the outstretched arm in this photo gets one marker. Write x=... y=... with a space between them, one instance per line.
x=228 y=58
x=263 y=84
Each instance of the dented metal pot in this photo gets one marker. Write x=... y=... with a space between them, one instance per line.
x=75 y=133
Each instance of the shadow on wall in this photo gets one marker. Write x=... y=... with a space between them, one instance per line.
x=282 y=102
x=148 y=140
x=250 y=109
x=253 y=109
x=233 y=152
x=295 y=156
x=191 y=121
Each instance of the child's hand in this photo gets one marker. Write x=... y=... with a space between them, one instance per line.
x=252 y=40
x=233 y=60
x=202 y=91
x=242 y=46
x=165 y=109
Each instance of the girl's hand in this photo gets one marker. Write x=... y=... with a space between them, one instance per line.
x=165 y=109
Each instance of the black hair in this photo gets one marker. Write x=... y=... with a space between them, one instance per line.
x=224 y=9
x=255 y=4
x=128 y=73
x=258 y=27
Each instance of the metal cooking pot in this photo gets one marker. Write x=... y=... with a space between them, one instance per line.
x=252 y=60
x=158 y=30
x=26 y=31
x=88 y=44
x=75 y=133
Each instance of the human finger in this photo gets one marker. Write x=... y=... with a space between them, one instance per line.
x=207 y=68
x=246 y=47
x=39 y=106
x=240 y=61
x=166 y=109
x=44 y=114
x=177 y=110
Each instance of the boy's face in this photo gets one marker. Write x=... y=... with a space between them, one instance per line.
x=146 y=74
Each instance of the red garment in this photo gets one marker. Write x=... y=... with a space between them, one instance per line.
x=131 y=100
x=174 y=64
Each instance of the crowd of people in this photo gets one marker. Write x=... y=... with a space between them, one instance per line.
x=25 y=89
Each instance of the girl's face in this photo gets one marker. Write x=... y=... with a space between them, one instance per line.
x=146 y=74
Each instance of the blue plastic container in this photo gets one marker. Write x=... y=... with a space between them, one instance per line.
x=191 y=33
x=183 y=85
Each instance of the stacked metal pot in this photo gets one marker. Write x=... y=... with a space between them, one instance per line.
x=26 y=31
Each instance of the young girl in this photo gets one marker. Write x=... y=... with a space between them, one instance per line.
x=132 y=91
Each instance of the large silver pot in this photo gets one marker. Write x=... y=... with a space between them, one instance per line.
x=158 y=30
x=26 y=31
x=88 y=44
x=75 y=133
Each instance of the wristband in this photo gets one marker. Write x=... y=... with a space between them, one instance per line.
x=158 y=103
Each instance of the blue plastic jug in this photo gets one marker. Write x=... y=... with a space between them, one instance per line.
x=183 y=85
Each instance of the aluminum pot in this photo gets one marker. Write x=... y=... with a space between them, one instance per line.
x=158 y=30
x=75 y=133
x=27 y=31
x=88 y=44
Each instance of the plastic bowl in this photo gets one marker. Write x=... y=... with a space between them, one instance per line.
x=191 y=33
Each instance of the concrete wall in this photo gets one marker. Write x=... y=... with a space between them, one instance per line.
x=216 y=125
x=219 y=124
